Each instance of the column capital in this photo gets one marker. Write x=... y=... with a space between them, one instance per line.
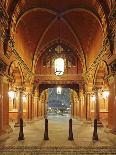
x=88 y=93
x=20 y=88
x=95 y=88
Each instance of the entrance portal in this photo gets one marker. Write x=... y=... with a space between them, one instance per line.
x=59 y=102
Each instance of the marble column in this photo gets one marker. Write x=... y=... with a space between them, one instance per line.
x=112 y=104
x=37 y=106
x=20 y=106
x=97 y=113
x=30 y=106
x=85 y=106
x=20 y=109
x=88 y=107
x=5 y=104
x=1 y=102
x=114 y=107
x=96 y=104
x=79 y=107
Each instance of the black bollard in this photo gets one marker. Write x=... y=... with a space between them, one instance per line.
x=46 y=130
x=95 y=135
x=21 y=135
x=70 y=130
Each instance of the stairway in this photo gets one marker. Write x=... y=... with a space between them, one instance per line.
x=35 y=150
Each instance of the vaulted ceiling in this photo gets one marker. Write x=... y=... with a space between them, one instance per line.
x=35 y=26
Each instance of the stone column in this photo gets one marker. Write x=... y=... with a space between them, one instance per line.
x=79 y=107
x=112 y=86
x=96 y=104
x=37 y=106
x=20 y=106
x=89 y=107
x=85 y=106
x=97 y=116
x=36 y=102
x=20 y=109
x=6 y=104
x=1 y=102
x=30 y=106
x=114 y=107
x=112 y=104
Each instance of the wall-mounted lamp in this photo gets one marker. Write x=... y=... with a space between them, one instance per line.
x=93 y=98
x=105 y=94
x=11 y=94
x=24 y=98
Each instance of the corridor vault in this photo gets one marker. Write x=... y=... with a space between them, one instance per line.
x=31 y=34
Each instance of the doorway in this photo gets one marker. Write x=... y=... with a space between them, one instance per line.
x=59 y=102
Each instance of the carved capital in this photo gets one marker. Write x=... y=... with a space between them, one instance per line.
x=96 y=89
x=20 y=88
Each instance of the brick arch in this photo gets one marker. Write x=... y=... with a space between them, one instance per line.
x=101 y=73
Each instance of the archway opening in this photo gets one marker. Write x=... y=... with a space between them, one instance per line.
x=59 y=102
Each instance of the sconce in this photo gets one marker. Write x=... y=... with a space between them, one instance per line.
x=11 y=94
x=24 y=98
x=105 y=94
x=93 y=98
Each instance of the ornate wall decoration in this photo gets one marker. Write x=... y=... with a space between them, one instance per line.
x=3 y=66
x=113 y=66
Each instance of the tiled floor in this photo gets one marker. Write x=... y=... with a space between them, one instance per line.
x=58 y=137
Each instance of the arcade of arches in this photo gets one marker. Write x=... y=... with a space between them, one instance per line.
x=31 y=33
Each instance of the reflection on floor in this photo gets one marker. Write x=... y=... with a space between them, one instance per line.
x=58 y=138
